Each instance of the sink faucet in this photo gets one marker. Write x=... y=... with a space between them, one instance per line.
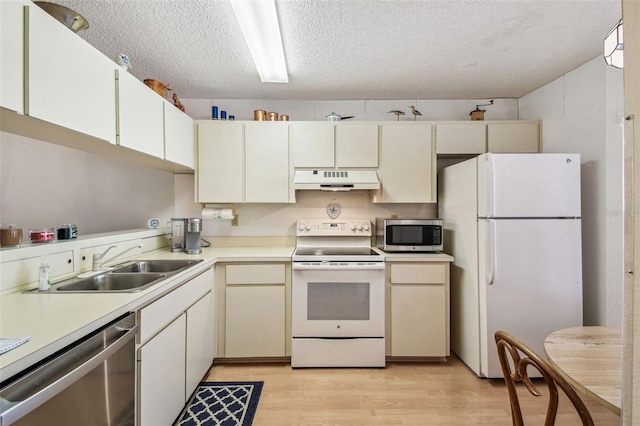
x=98 y=259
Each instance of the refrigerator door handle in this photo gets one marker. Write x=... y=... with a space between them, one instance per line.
x=491 y=252
x=490 y=185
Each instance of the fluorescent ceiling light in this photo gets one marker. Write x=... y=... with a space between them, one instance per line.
x=259 y=23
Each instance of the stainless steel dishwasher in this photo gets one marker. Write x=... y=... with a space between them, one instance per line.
x=91 y=382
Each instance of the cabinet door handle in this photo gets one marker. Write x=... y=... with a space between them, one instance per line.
x=69 y=260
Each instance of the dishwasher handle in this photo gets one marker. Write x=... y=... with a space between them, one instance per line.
x=19 y=409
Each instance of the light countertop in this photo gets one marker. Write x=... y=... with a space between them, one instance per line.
x=56 y=320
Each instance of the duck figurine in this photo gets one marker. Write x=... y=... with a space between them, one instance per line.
x=398 y=113
x=415 y=112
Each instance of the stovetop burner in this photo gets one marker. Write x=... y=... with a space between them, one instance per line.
x=335 y=251
x=335 y=241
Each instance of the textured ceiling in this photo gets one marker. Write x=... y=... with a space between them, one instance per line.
x=356 y=49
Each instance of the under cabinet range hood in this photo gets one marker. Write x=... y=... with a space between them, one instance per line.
x=336 y=180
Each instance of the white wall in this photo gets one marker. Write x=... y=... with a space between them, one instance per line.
x=583 y=112
x=44 y=185
x=362 y=110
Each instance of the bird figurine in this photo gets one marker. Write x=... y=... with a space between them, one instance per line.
x=397 y=113
x=123 y=61
x=177 y=103
x=415 y=112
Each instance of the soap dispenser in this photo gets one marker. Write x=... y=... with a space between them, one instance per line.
x=44 y=282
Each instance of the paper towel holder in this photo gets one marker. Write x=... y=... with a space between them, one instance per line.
x=233 y=208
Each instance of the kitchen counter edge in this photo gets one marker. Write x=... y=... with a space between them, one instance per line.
x=55 y=321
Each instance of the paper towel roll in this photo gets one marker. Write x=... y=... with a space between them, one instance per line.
x=217 y=213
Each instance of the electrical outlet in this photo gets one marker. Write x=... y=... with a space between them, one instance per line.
x=234 y=221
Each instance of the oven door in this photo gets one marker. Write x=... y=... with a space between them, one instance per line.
x=337 y=299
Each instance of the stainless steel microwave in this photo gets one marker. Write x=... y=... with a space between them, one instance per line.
x=409 y=235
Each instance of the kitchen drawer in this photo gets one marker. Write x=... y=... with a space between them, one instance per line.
x=161 y=312
x=255 y=274
x=20 y=272
x=418 y=273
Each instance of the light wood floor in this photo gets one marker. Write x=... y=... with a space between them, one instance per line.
x=426 y=394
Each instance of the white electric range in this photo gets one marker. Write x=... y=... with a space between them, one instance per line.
x=338 y=307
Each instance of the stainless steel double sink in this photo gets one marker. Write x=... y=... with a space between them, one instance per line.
x=129 y=277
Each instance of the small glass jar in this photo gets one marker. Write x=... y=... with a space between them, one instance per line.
x=67 y=231
x=10 y=235
x=42 y=235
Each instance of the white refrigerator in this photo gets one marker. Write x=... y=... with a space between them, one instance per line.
x=512 y=224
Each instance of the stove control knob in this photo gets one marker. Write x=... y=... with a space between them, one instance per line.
x=359 y=226
x=353 y=226
x=302 y=226
x=365 y=226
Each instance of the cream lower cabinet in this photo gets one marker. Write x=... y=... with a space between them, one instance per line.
x=162 y=375
x=175 y=350
x=418 y=309
x=256 y=310
x=407 y=170
x=200 y=343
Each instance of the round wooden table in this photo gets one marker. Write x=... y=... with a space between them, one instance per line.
x=590 y=358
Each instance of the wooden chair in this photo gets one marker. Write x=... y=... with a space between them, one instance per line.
x=514 y=353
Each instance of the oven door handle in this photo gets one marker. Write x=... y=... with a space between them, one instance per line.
x=320 y=266
x=31 y=402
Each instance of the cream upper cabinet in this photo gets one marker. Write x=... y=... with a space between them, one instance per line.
x=312 y=144
x=356 y=145
x=407 y=170
x=243 y=162
x=70 y=83
x=266 y=162
x=220 y=171
x=141 y=116
x=12 y=54
x=179 y=137
x=329 y=144
x=513 y=137
x=477 y=137
x=461 y=138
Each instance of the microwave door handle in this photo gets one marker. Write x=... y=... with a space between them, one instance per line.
x=490 y=252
